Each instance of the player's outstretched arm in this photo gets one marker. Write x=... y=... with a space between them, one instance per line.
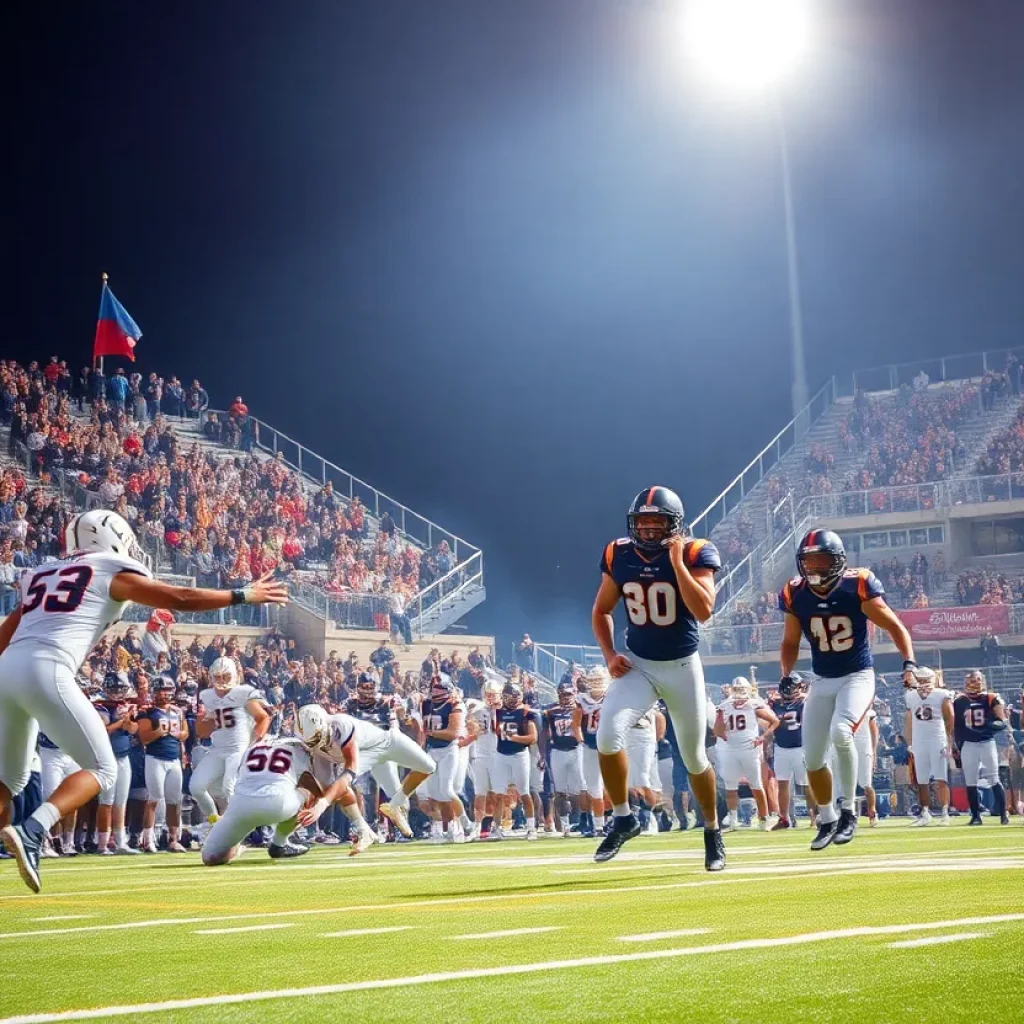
x=885 y=618
x=130 y=586
x=789 y=651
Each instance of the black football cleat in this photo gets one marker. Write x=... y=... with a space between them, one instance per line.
x=846 y=828
x=23 y=843
x=975 y=820
x=623 y=830
x=1004 y=819
x=826 y=833
x=714 y=850
x=278 y=852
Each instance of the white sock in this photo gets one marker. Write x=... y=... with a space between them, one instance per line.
x=206 y=804
x=120 y=839
x=464 y=821
x=353 y=814
x=400 y=799
x=622 y=810
x=435 y=828
x=282 y=832
x=102 y=840
x=68 y=839
x=827 y=814
x=531 y=823
x=147 y=837
x=47 y=815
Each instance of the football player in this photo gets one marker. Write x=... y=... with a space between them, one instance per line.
x=163 y=732
x=565 y=757
x=41 y=652
x=516 y=732
x=343 y=748
x=586 y=718
x=831 y=607
x=737 y=723
x=275 y=787
x=443 y=718
x=667 y=583
x=480 y=726
x=977 y=717
x=928 y=729
x=119 y=714
x=865 y=740
x=231 y=716
x=55 y=767
x=788 y=707
x=666 y=770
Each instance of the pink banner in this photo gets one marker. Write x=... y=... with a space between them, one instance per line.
x=957 y=623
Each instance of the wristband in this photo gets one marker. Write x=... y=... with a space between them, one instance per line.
x=318 y=808
x=351 y=774
x=909 y=665
x=238 y=597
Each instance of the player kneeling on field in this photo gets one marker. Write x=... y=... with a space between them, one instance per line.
x=275 y=787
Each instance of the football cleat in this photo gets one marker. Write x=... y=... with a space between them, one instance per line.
x=125 y=851
x=873 y=821
x=175 y=847
x=363 y=841
x=23 y=843
x=782 y=823
x=623 y=830
x=1004 y=819
x=975 y=820
x=397 y=816
x=279 y=852
x=846 y=828
x=924 y=819
x=943 y=818
x=531 y=835
x=826 y=833
x=714 y=850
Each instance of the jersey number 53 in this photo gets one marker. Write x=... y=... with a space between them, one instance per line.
x=655 y=603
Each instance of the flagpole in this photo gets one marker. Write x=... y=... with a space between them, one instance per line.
x=103 y=278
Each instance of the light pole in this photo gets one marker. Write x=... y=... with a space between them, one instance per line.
x=750 y=46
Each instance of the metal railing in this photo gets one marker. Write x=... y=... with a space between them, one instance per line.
x=955 y=367
x=448 y=590
x=550 y=661
x=321 y=471
x=766 y=459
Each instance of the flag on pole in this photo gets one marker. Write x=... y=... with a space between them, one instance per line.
x=116 y=331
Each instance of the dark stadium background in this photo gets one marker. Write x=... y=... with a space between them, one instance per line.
x=502 y=260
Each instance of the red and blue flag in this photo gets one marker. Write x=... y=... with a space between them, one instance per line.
x=116 y=332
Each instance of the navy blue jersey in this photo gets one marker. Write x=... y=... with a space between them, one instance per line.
x=559 y=722
x=790 y=713
x=834 y=624
x=379 y=713
x=436 y=718
x=120 y=741
x=45 y=741
x=661 y=627
x=591 y=716
x=973 y=717
x=165 y=748
x=511 y=723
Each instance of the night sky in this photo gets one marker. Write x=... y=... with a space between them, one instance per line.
x=509 y=261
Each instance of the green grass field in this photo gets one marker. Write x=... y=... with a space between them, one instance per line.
x=782 y=935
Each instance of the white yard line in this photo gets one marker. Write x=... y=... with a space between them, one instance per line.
x=937 y=940
x=658 y=936
x=247 y=928
x=507 y=933
x=401 y=905
x=62 y=917
x=496 y=972
x=353 y=932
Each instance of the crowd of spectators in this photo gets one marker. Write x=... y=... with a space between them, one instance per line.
x=225 y=520
x=989 y=585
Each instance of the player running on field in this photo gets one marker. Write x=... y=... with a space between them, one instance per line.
x=66 y=607
x=666 y=581
x=831 y=608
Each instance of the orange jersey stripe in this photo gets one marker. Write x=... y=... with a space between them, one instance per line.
x=608 y=554
x=693 y=549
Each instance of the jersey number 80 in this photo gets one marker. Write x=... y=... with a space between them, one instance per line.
x=656 y=603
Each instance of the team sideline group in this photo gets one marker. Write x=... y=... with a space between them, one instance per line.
x=620 y=741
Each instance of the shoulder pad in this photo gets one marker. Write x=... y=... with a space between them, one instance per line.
x=622 y=541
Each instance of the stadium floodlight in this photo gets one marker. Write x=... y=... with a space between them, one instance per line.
x=747 y=45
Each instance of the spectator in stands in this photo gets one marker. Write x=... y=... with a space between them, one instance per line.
x=989 y=649
x=153 y=391
x=400 y=619
x=197 y=401
x=9 y=575
x=525 y=653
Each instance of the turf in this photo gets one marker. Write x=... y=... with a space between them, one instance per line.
x=890 y=877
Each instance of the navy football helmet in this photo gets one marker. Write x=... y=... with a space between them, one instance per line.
x=655 y=501
x=441 y=689
x=566 y=694
x=512 y=695
x=366 y=688
x=821 y=542
x=116 y=686
x=790 y=686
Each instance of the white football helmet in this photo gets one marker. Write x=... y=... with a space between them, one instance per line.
x=598 y=678
x=925 y=679
x=223 y=675
x=740 y=688
x=314 y=726
x=102 y=530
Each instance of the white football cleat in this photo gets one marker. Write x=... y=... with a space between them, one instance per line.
x=923 y=820
x=363 y=841
x=126 y=851
x=943 y=818
x=531 y=835
x=395 y=813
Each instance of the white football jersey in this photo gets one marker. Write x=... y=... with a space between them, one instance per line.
x=486 y=742
x=927 y=726
x=278 y=763
x=232 y=723
x=343 y=727
x=740 y=717
x=66 y=605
